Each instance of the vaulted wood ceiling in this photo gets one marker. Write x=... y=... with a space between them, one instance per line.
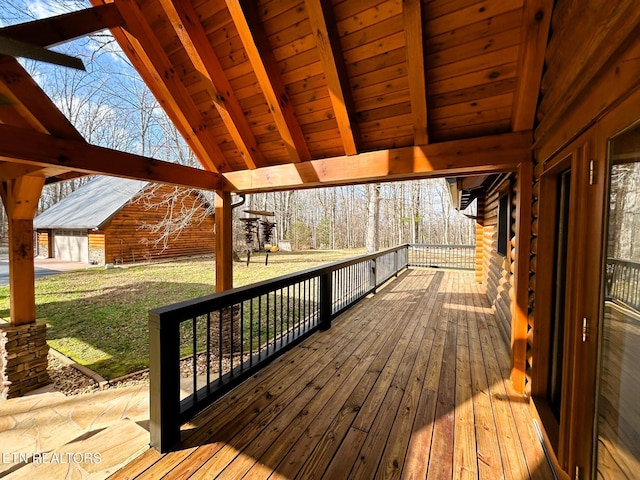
x=279 y=94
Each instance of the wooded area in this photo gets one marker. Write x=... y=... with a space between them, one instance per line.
x=409 y=212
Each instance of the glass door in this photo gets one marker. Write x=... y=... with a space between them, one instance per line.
x=617 y=422
x=557 y=319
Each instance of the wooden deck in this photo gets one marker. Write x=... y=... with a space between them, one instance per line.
x=410 y=383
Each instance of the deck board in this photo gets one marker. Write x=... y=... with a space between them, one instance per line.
x=410 y=383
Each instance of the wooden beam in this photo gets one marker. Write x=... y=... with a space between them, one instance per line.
x=30 y=101
x=10 y=170
x=328 y=43
x=20 y=197
x=536 y=19
x=412 y=18
x=491 y=154
x=63 y=177
x=16 y=48
x=150 y=60
x=187 y=26
x=26 y=146
x=224 y=241
x=52 y=31
x=256 y=44
x=520 y=309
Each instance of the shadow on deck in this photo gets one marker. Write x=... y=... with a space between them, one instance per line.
x=411 y=383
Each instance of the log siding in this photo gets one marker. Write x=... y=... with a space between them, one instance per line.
x=127 y=240
x=497 y=268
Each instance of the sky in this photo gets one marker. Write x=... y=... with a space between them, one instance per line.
x=108 y=104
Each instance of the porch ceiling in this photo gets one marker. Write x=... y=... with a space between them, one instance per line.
x=282 y=94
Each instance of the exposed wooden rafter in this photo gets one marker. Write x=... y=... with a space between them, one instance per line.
x=52 y=31
x=412 y=18
x=29 y=107
x=326 y=36
x=255 y=42
x=143 y=49
x=536 y=20
x=31 y=103
x=30 y=147
x=185 y=22
x=490 y=154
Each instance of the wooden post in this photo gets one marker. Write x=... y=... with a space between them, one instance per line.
x=20 y=197
x=520 y=311
x=164 y=383
x=224 y=242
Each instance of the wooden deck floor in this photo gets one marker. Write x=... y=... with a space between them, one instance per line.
x=408 y=384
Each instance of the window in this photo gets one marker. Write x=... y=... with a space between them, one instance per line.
x=503 y=224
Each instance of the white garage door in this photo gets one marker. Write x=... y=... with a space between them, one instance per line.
x=72 y=245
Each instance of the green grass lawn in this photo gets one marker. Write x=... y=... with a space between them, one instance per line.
x=99 y=317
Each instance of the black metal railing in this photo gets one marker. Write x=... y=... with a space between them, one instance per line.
x=623 y=282
x=202 y=348
x=460 y=257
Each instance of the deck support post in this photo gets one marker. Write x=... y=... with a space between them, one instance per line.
x=395 y=264
x=520 y=309
x=164 y=383
x=23 y=343
x=326 y=289
x=224 y=241
x=20 y=197
x=372 y=276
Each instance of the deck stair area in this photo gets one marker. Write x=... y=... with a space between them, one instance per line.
x=83 y=436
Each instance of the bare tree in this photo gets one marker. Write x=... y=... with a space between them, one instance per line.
x=373 y=218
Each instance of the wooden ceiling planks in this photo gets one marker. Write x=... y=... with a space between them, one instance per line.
x=536 y=20
x=159 y=74
x=196 y=44
x=333 y=64
x=262 y=59
x=472 y=54
x=412 y=19
x=257 y=84
x=373 y=38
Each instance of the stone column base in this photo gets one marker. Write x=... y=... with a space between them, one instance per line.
x=23 y=359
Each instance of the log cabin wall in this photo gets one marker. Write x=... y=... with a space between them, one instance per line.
x=497 y=266
x=480 y=238
x=589 y=92
x=127 y=241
